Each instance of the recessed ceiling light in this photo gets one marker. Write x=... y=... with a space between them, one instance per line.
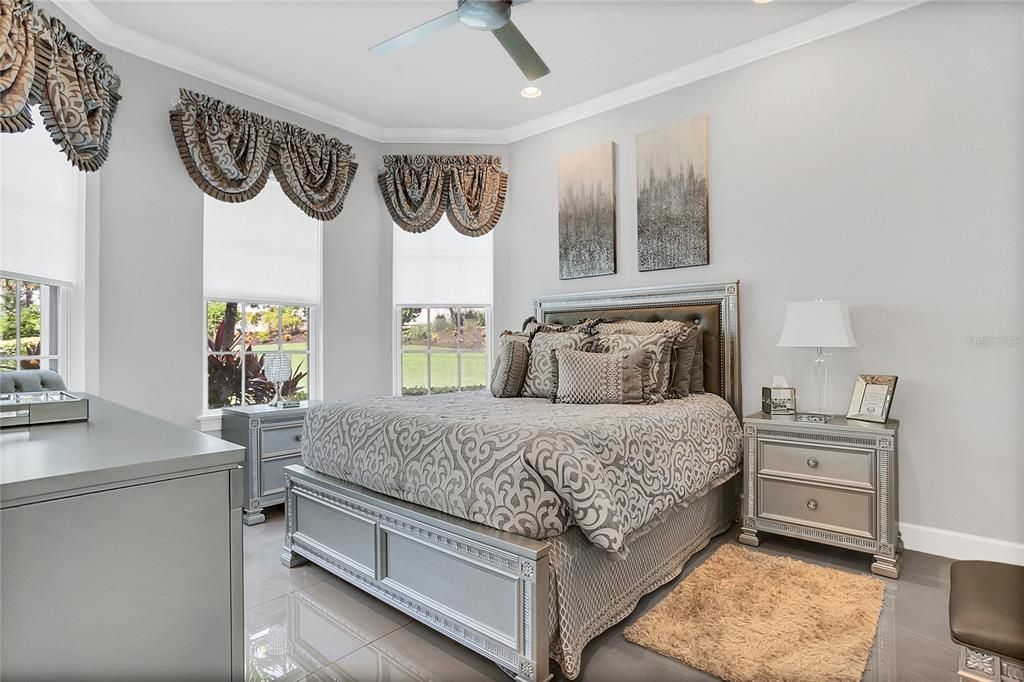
x=762 y=2
x=530 y=92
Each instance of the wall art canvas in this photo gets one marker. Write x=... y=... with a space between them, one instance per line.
x=672 y=195
x=586 y=212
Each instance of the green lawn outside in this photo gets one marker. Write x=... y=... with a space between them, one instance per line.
x=444 y=368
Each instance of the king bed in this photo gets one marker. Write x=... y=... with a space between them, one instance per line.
x=518 y=527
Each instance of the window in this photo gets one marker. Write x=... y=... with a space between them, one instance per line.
x=261 y=280
x=444 y=350
x=239 y=334
x=41 y=251
x=29 y=325
x=443 y=283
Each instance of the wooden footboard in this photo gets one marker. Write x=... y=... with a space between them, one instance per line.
x=483 y=588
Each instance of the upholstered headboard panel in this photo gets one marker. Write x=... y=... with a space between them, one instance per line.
x=714 y=307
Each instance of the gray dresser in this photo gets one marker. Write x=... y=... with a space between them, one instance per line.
x=834 y=483
x=272 y=437
x=121 y=545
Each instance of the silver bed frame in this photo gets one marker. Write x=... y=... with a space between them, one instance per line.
x=484 y=588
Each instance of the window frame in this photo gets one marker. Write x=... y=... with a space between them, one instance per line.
x=209 y=418
x=399 y=351
x=58 y=321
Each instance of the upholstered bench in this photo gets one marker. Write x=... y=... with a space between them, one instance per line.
x=27 y=380
x=986 y=618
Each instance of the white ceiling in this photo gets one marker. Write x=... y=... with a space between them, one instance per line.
x=457 y=79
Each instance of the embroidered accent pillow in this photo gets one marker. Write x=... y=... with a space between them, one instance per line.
x=538 y=373
x=510 y=368
x=601 y=378
x=660 y=344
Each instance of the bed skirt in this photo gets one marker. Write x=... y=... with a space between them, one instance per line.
x=590 y=591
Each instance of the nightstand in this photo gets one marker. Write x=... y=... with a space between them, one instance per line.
x=834 y=483
x=272 y=437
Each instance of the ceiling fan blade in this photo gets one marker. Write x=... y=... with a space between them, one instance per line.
x=522 y=53
x=416 y=34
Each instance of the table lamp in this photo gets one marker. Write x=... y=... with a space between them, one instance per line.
x=277 y=367
x=818 y=324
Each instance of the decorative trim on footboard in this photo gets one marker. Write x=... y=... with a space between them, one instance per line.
x=485 y=589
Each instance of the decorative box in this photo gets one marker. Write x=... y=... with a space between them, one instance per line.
x=42 y=407
x=775 y=400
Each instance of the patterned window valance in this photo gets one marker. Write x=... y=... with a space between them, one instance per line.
x=42 y=62
x=230 y=152
x=418 y=190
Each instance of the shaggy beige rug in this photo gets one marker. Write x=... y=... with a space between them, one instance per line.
x=746 y=616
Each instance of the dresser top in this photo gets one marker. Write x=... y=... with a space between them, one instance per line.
x=836 y=423
x=117 y=446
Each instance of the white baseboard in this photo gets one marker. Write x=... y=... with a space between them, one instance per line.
x=950 y=543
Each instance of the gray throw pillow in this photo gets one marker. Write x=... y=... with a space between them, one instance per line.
x=510 y=368
x=683 y=357
x=602 y=378
x=697 y=371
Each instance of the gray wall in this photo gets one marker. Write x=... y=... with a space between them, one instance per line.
x=883 y=167
x=151 y=257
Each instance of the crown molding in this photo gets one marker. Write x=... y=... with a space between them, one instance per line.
x=844 y=18
x=830 y=23
x=106 y=31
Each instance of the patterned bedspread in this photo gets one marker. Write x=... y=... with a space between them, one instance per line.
x=525 y=465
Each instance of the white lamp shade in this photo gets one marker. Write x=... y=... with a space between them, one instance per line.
x=817 y=324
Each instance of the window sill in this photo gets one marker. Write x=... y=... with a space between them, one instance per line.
x=209 y=421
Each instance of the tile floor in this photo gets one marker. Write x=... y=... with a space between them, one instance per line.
x=305 y=624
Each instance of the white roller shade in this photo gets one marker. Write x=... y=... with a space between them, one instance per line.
x=441 y=266
x=263 y=250
x=41 y=216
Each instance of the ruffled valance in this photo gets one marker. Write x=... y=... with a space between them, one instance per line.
x=17 y=64
x=418 y=190
x=230 y=152
x=42 y=62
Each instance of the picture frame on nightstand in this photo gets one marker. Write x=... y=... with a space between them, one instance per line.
x=872 y=398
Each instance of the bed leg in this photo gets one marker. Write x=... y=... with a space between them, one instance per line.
x=292 y=559
x=289 y=557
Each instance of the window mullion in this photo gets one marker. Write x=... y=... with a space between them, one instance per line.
x=241 y=346
x=17 y=324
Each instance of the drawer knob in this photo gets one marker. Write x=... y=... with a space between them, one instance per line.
x=812 y=463
x=812 y=504
x=298 y=438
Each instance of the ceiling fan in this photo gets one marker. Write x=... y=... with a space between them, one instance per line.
x=481 y=15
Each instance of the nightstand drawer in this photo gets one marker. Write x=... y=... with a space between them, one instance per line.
x=847 y=511
x=280 y=439
x=272 y=473
x=831 y=464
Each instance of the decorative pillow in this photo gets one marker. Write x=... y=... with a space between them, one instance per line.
x=697 y=372
x=507 y=336
x=602 y=378
x=510 y=368
x=659 y=343
x=682 y=364
x=532 y=326
x=538 y=373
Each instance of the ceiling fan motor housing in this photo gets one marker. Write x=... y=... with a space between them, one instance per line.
x=485 y=15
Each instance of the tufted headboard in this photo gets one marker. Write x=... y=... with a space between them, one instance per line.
x=715 y=307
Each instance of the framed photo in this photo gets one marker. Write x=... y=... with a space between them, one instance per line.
x=872 y=398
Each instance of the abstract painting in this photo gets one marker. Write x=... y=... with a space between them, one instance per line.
x=672 y=195
x=586 y=212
